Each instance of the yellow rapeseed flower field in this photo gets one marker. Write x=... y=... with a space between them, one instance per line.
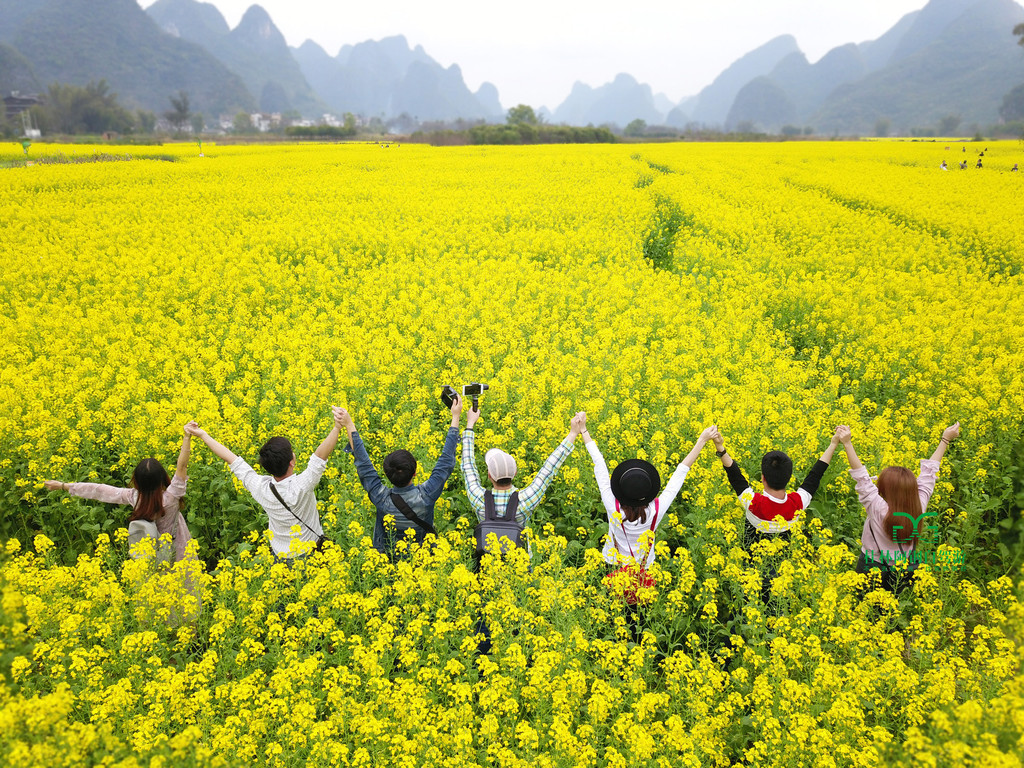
x=776 y=290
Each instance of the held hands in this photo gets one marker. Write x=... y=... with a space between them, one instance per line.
x=192 y=429
x=53 y=485
x=707 y=435
x=716 y=437
x=186 y=428
x=842 y=435
x=342 y=419
x=578 y=424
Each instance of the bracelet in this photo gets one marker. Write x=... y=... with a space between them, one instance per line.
x=945 y=440
x=722 y=452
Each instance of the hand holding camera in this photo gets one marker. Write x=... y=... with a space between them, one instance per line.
x=474 y=390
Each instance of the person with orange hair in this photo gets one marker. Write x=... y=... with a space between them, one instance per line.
x=895 y=507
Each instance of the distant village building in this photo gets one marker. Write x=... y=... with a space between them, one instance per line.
x=16 y=103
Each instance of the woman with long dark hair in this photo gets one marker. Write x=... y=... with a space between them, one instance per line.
x=895 y=507
x=154 y=496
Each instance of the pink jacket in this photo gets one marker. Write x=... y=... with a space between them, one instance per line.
x=171 y=521
x=873 y=538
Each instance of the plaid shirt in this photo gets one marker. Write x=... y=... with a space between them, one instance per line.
x=529 y=497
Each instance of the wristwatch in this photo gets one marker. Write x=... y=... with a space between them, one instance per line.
x=722 y=452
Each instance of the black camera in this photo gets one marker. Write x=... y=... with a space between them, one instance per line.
x=448 y=395
x=474 y=390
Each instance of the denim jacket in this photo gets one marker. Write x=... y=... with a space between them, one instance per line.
x=420 y=498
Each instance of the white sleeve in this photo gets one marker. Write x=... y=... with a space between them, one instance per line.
x=307 y=480
x=675 y=483
x=604 y=482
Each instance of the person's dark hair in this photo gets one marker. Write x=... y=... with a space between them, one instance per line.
x=275 y=456
x=149 y=479
x=632 y=514
x=400 y=466
x=776 y=470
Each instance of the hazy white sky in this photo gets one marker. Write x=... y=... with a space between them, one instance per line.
x=534 y=50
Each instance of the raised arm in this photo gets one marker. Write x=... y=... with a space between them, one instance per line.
x=219 y=450
x=698 y=446
x=181 y=469
x=470 y=475
x=604 y=480
x=845 y=436
x=347 y=424
x=949 y=434
x=867 y=491
x=532 y=494
x=738 y=482
x=810 y=484
x=326 y=448
x=110 y=494
x=446 y=461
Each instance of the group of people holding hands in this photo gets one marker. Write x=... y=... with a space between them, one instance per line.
x=634 y=499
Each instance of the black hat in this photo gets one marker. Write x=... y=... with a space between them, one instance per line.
x=635 y=482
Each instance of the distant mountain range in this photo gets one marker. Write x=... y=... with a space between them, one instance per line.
x=952 y=57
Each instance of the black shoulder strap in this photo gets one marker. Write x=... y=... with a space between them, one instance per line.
x=405 y=509
x=512 y=506
x=273 y=490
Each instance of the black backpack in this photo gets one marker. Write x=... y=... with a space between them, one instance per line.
x=505 y=527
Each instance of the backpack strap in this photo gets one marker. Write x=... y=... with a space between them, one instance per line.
x=405 y=509
x=273 y=490
x=491 y=511
x=512 y=506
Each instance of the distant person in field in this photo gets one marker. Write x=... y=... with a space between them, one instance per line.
x=153 y=496
x=1014 y=167
x=895 y=508
x=979 y=163
x=943 y=166
x=411 y=506
x=963 y=165
x=286 y=497
x=770 y=514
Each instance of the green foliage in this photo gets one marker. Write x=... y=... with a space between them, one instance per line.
x=242 y=123
x=948 y=125
x=524 y=133
x=1012 y=108
x=93 y=109
x=522 y=114
x=637 y=127
x=145 y=121
x=180 y=112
